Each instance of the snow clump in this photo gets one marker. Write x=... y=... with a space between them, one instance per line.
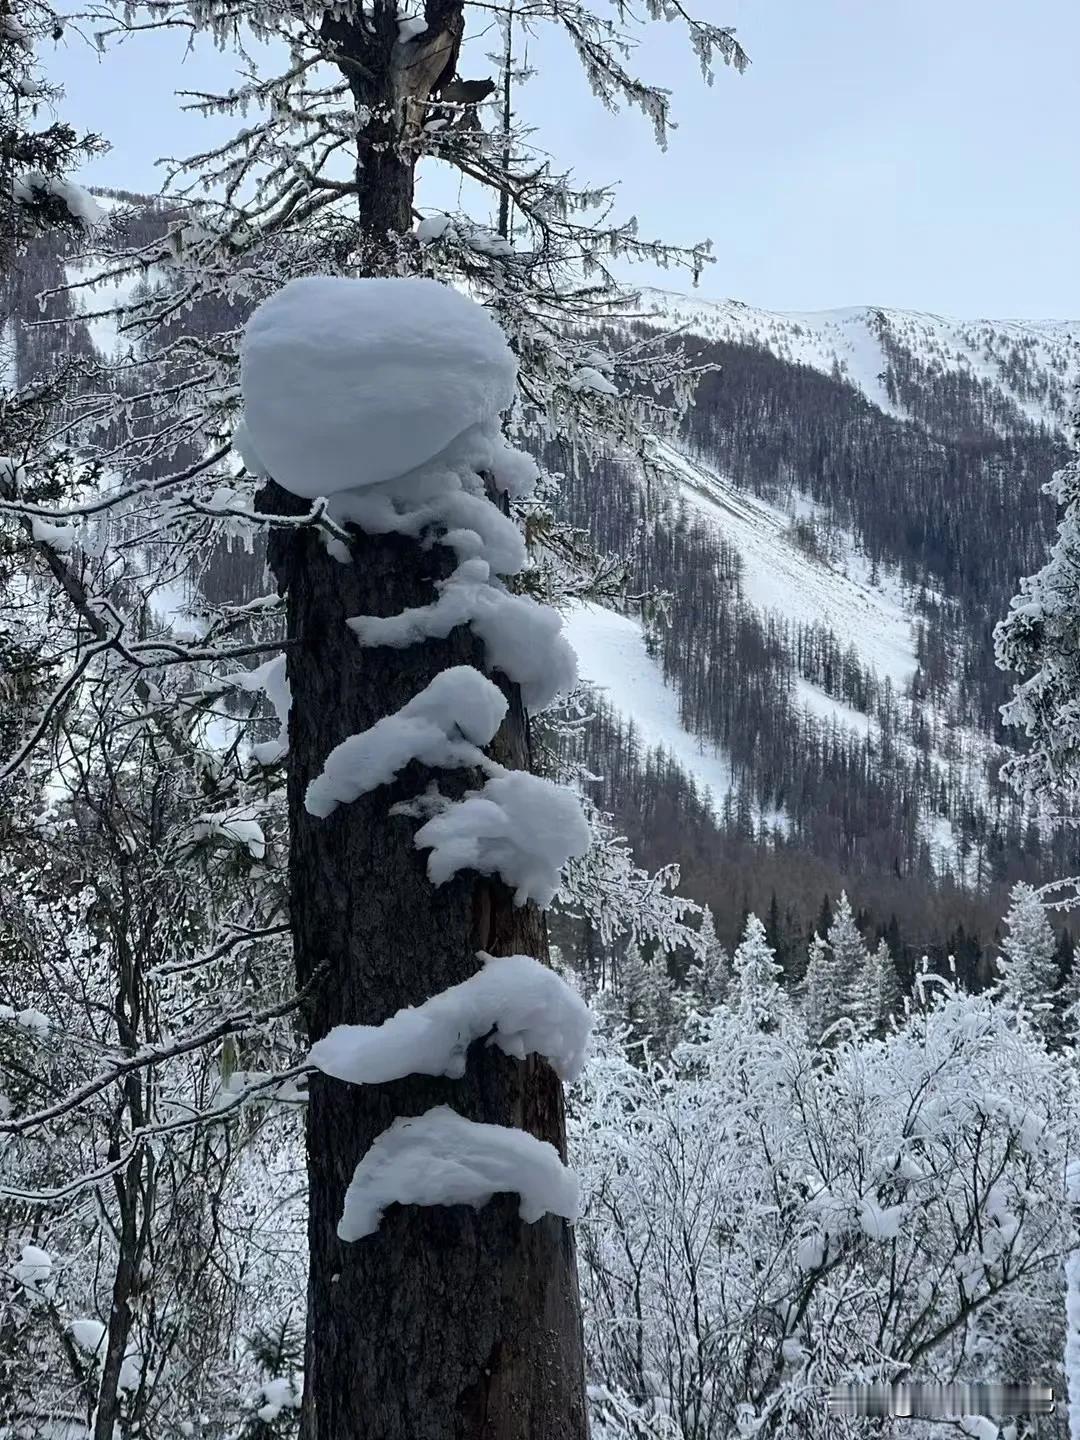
x=440 y=1158
x=520 y=826
x=530 y=1009
x=445 y=725
x=351 y=383
x=522 y=638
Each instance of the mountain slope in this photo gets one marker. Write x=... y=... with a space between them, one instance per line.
x=830 y=539
x=1029 y=365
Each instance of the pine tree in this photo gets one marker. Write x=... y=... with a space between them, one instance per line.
x=708 y=977
x=1027 y=963
x=757 y=977
x=816 y=987
x=877 y=990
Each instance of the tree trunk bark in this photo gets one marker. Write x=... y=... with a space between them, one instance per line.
x=449 y=1323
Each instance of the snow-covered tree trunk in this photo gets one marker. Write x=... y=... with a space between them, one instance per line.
x=447 y=1321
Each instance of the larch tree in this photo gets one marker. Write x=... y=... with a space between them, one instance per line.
x=402 y=570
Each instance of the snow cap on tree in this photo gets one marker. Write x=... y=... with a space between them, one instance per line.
x=349 y=383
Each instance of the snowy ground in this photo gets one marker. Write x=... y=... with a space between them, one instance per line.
x=612 y=657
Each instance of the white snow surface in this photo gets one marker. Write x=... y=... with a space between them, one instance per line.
x=781 y=578
x=239 y=827
x=440 y=1158
x=880 y=1223
x=89 y=1335
x=520 y=827
x=28 y=1019
x=60 y=538
x=80 y=204
x=522 y=639
x=274 y=1396
x=446 y=499
x=350 y=383
x=521 y=1004
x=613 y=657
x=33 y=1267
x=444 y=727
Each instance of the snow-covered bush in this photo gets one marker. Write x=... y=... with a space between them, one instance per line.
x=762 y=1220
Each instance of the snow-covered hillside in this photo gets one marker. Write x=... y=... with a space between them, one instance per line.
x=613 y=657
x=781 y=577
x=1033 y=363
x=873 y=614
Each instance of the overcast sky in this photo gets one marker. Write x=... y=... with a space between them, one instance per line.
x=917 y=153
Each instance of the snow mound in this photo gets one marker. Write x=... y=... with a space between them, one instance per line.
x=520 y=827
x=440 y=1158
x=274 y=1396
x=522 y=638
x=238 y=827
x=349 y=383
x=530 y=1009
x=34 y=186
x=60 y=538
x=89 y=1335
x=443 y=727
x=30 y=1019
x=881 y=1223
x=33 y=1267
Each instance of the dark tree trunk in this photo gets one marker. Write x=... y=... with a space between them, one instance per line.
x=449 y=1323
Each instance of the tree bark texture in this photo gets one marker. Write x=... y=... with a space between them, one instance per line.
x=449 y=1323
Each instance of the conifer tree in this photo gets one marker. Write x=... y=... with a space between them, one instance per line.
x=849 y=955
x=1027 y=963
x=877 y=991
x=816 y=987
x=834 y=986
x=1039 y=640
x=390 y=1347
x=757 y=976
x=648 y=1002
x=709 y=975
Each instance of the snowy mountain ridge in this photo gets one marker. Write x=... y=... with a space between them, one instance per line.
x=1032 y=364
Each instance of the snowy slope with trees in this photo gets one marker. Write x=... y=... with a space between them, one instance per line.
x=1029 y=365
